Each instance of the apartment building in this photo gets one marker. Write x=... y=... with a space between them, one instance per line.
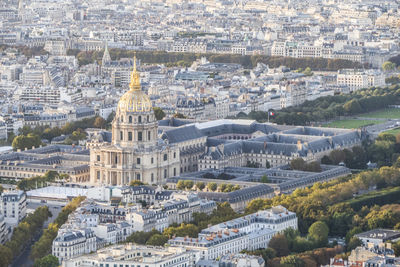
x=13 y=206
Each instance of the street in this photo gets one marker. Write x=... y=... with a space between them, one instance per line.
x=55 y=209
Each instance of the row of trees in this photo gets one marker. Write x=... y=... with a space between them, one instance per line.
x=300 y=165
x=223 y=213
x=42 y=247
x=22 y=235
x=384 y=150
x=327 y=108
x=291 y=242
x=327 y=201
x=39 y=181
x=185 y=59
x=26 y=50
x=29 y=137
x=212 y=186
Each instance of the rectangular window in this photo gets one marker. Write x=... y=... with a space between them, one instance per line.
x=152 y=160
x=165 y=157
x=148 y=136
x=98 y=157
x=121 y=136
x=139 y=137
x=129 y=136
x=174 y=171
x=138 y=160
x=98 y=175
x=165 y=173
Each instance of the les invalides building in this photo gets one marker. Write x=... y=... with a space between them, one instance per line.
x=136 y=152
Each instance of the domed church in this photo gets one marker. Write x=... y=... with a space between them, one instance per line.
x=135 y=152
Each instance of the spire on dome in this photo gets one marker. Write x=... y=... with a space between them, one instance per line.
x=134 y=85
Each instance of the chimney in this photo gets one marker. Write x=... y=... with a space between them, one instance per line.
x=299 y=145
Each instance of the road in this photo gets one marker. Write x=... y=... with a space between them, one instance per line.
x=23 y=260
x=378 y=128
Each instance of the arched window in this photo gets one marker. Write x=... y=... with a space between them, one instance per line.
x=130 y=119
x=140 y=119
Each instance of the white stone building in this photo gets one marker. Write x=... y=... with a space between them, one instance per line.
x=13 y=206
x=133 y=255
x=358 y=79
x=71 y=243
x=250 y=232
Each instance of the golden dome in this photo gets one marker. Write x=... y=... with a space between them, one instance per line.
x=135 y=100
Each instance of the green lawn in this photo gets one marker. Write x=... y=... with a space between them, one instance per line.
x=389 y=113
x=395 y=131
x=351 y=124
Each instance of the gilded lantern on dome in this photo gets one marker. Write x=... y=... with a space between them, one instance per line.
x=135 y=100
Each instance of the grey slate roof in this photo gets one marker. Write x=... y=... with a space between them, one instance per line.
x=182 y=134
x=243 y=194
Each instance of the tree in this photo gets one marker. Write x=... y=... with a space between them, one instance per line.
x=212 y=186
x=352 y=232
x=297 y=164
x=188 y=184
x=190 y=230
x=157 y=240
x=292 y=261
x=353 y=243
x=264 y=179
x=279 y=244
x=313 y=167
x=352 y=107
x=181 y=185
x=200 y=185
x=388 y=66
x=308 y=72
x=179 y=116
x=6 y=256
x=28 y=141
x=99 y=122
x=326 y=160
x=318 y=232
x=47 y=261
x=136 y=183
x=77 y=135
x=110 y=117
x=159 y=113
x=222 y=187
x=396 y=248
